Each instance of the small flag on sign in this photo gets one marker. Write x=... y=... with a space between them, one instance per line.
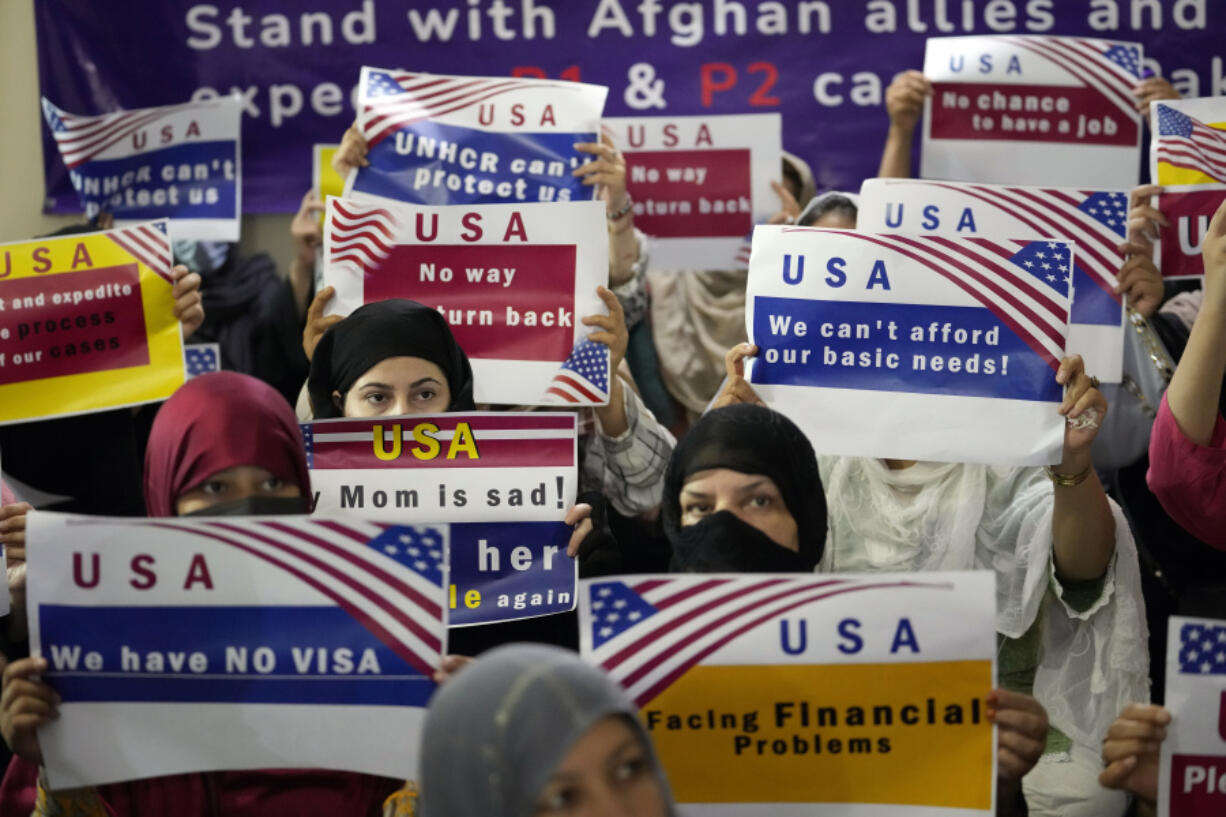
x=584 y=377
x=1202 y=649
x=202 y=358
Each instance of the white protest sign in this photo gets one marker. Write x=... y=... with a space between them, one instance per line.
x=699 y=183
x=910 y=347
x=806 y=695
x=1192 y=770
x=205 y=644
x=1038 y=110
x=1095 y=221
x=513 y=283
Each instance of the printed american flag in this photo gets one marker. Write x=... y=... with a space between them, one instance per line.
x=80 y=138
x=1006 y=276
x=359 y=234
x=647 y=632
x=1096 y=220
x=148 y=244
x=389 y=578
x=1202 y=649
x=584 y=377
x=202 y=358
x=1184 y=141
x=1110 y=68
x=394 y=99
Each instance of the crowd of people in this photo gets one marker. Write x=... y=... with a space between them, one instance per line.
x=685 y=470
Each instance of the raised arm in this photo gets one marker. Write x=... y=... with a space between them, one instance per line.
x=904 y=102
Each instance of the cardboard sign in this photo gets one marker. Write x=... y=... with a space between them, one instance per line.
x=911 y=347
x=87 y=323
x=699 y=183
x=1096 y=221
x=1032 y=110
x=512 y=283
x=789 y=695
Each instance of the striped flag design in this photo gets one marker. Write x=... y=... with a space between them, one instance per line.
x=1110 y=68
x=1184 y=141
x=394 y=99
x=360 y=234
x=584 y=377
x=80 y=138
x=389 y=578
x=148 y=244
x=646 y=633
x=503 y=440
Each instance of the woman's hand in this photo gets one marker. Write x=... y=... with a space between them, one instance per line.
x=607 y=170
x=1143 y=218
x=25 y=705
x=1021 y=724
x=736 y=388
x=1150 y=90
x=449 y=666
x=1130 y=750
x=578 y=517
x=317 y=323
x=789 y=208
x=306 y=231
x=1139 y=280
x=189 y=307
x=610 y=329
x=1084 y=408
x=904 y=99
x=351 y=153
x=13 y=531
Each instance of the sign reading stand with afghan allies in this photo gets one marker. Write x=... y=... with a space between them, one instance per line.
x=1095 y=220
x=1032 y=110
x=87 y=323
x=503 y=480
x=180 y=162
x=1188 y=158
x=911 y=347
x=791 y=695
x=436 y=139
x=1192 y=770
x=699 y=183
x=513 y=283
x=207 y=644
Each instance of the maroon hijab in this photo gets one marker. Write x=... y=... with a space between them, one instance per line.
x=219 y=421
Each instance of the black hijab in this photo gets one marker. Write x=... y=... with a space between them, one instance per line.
x=750 y=439
x=377 y=331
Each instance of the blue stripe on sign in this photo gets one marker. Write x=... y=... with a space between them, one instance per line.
x=309 y=655
x=484 y=556
x=1092 y=303
x=207 y=196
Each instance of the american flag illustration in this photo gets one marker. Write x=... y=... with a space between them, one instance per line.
x=503 y=440
x=646 y=632
x=1110 y=68
x=202 y=358
x=360 y=234
x=80 y=138
x=393 y=99
x=1202 y=649
x=389 y=578
x=1184 y=141
x=584 y=377
x=1097 y=221
x=148 y=244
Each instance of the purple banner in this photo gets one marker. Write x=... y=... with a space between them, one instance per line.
x=823 y=65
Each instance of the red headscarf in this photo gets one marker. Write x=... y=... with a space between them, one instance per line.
x=219 y=421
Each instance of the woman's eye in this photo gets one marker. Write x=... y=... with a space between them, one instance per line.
x=376 y=398
x=215 y=486
x=630 y=769
x=426 y=395
x=697 y=508
x=761 y=501
x=556 y=801
x=273 y=484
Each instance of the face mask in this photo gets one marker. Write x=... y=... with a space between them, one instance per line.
x=256 y=506
x=724 y=543
x=201 y=256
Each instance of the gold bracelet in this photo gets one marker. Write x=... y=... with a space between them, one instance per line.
x=1068 y=480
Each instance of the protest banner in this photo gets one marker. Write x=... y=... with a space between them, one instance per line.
x=172 y=637
x=1096 y=221
x=180 y=162
x=1032 y=110
x=1192 y=765
x=438 y=139
x=87 y=323
x=789 y=695
x=911 y=347
x=1188 y=158
x=505 y=479
x=699 y=183
x=512 y=282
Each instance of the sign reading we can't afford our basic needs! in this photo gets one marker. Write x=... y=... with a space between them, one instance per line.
x=1032 y=110
x=87 y=323
x=1095 y=220
x=438 y=139
x=699 y=183
x=513 y=283
x=205 y=644
x=910 y=347
x=788 y=695
x=503 y=480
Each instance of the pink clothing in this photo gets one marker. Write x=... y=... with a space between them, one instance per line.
x=1189 y=479
x=6 y=494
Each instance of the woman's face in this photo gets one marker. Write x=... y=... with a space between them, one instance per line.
x=607 y=772
x=239 y=482
x=754 y=498
x=397 y=385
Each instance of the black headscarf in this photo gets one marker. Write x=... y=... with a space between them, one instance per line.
x=377 y=331
x=750 y=439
